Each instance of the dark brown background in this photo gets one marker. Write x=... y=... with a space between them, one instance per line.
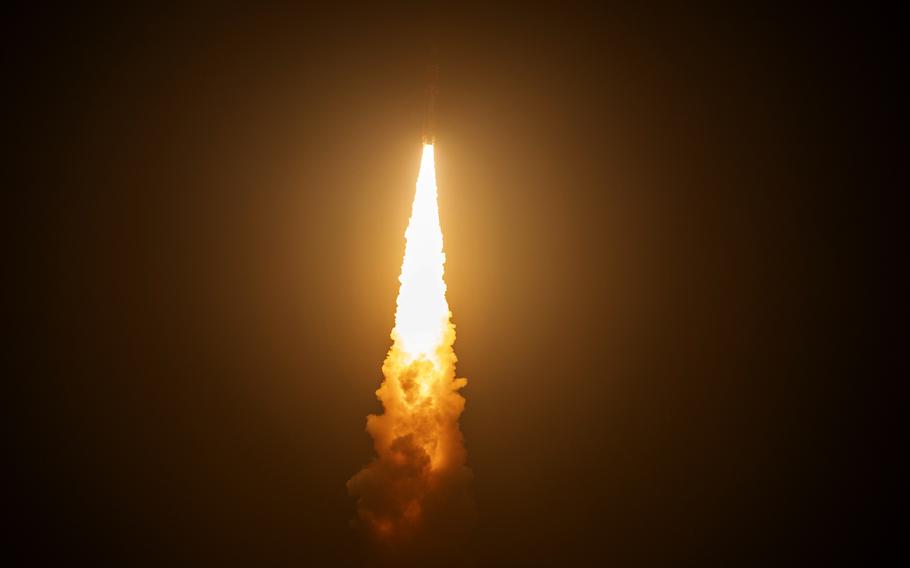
x=658 y=236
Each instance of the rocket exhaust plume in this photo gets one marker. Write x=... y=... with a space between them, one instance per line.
x=413 y=498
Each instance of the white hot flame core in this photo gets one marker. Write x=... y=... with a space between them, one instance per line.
x=423 y=313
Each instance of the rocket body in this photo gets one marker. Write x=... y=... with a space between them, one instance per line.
x=429 y=116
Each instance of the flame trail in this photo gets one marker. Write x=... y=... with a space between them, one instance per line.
x=417 y=486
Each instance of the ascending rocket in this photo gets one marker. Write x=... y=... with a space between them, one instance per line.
x=429 y=116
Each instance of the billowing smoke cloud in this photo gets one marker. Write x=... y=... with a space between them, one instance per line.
x=413 y=500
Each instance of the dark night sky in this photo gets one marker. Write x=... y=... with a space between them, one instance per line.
x=660 y=230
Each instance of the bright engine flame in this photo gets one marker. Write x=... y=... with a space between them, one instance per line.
x=423 y=314
x=419 y=478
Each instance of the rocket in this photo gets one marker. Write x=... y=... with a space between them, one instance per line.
x=429 y=116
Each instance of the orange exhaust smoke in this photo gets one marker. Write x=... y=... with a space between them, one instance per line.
x=417 y=485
